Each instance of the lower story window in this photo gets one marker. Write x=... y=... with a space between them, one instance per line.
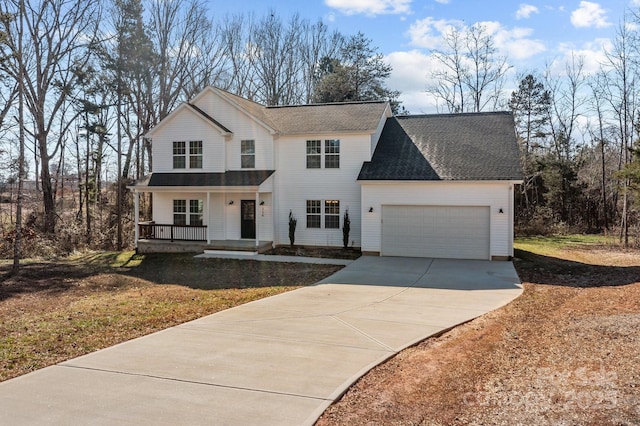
x=191 y=217
x=196 y=208
x=332 y=214
x=179 y=212
x=313 y=213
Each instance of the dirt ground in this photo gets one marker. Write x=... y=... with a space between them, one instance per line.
x=567 y=352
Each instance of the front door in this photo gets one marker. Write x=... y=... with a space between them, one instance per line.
x=248 y=219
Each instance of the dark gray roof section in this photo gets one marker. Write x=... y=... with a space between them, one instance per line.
x=210 y=118
x=472 y=146
x=229 y=178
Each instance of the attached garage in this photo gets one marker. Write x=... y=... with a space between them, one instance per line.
x=442 y=186
x=454 y=232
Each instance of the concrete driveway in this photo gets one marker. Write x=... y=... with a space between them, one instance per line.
x=280 y=360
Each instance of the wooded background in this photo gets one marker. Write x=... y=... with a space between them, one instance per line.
x=82 y=82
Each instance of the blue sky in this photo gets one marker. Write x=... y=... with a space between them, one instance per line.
x=530 y=33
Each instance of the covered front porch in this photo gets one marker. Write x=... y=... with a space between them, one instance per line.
x=206 y=211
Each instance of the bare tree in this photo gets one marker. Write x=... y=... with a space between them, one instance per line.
x=472 y=72
x=56 y=36
x=622 y=96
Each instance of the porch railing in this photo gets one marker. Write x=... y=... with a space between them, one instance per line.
x=154 y=231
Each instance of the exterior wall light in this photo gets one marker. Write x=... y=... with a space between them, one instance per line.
x=501 y=211
x=231 y=202
x=262 y=203
x=370 y=209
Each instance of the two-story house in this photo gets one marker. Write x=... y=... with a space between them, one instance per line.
x=228 y=172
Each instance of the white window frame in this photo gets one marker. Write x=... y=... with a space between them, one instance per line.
x=191 y=211
x=195 y=154
x=332 y=152
x=314 y=150
x=179 y=153
x=246 y=146
x=314 y=210
x=330 y=213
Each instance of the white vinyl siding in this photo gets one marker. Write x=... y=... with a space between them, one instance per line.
x=460 y=232
x=295 y=184
x=187 y=126
x=495 y=195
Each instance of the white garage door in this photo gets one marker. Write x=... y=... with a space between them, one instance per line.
x=435 y=231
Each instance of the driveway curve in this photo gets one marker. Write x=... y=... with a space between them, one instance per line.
x=281 y=360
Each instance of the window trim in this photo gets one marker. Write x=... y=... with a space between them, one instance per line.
x=334 y=154
x=248 y=155
x=314 y=212
x=179 y=155
x=197 y=212
x=330 y=213
x=319 y=212
x=180 y=210
x=315 y=145
x=187 y=210
x=196 y=146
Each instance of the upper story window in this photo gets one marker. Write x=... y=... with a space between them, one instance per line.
x=313 y=213
x=179 y=155
x=314 y=154
x=195 y=154
x=332 y=154
x=332 y=214
x=248 y=154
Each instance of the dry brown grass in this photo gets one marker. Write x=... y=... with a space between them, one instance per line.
x=566 y=352
x=54 y=311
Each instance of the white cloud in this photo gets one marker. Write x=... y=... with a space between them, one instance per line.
x=370 y=7
x=447 y=1
x=427 y=33
x=589 y=15
x=516 y=43
x=592 y=54
x=526 y=10
x=411 y=75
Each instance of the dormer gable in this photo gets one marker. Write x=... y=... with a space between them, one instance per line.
x=198 y=112
x=252 y=110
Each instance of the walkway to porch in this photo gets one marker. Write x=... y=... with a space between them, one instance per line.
x=162 y=246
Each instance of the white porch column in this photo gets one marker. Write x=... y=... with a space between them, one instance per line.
x=257 y=220
x=136 y=213
x=208 y=217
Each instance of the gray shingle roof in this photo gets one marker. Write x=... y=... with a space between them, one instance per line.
x=323 y=118
x=228 y=178
x=476 y=146
x=315 y=118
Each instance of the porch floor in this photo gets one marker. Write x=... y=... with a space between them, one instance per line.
x=163 y=246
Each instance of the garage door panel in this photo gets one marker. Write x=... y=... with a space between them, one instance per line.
x=436 y=231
